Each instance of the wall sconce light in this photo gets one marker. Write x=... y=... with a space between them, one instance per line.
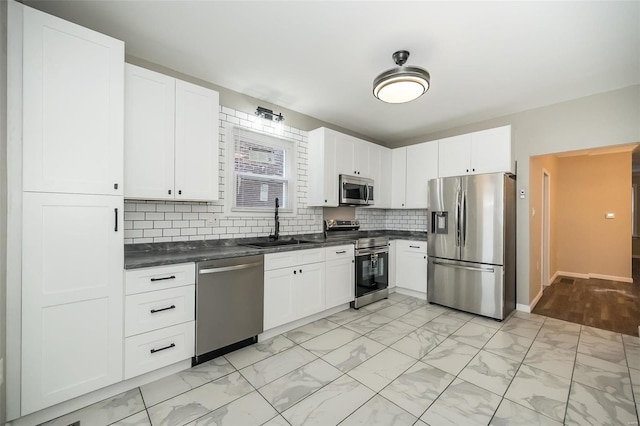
x=268 y=114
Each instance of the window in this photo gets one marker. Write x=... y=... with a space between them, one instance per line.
x=263 y=169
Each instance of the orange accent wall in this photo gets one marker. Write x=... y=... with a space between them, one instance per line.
x=588 y=187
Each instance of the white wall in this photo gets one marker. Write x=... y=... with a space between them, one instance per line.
x=605 y=119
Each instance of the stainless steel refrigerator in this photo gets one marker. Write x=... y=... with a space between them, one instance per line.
x=472 y=244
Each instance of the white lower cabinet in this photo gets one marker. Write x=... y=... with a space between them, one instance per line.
x=293 y=288
x=159 y=321
x=340 y=275
x=72 y=310
x=411 y=265
x=159 y=348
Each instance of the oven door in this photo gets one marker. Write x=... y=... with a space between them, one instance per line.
x=371 y=270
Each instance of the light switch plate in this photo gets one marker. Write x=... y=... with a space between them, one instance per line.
x=610 y=216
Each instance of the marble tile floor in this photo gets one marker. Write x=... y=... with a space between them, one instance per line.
x=400 y=361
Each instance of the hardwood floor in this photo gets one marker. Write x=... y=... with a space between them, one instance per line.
x=610 y=305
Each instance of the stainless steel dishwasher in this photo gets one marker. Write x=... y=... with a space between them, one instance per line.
x=229 y=305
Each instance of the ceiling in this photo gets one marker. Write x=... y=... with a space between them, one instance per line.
x=486 y=59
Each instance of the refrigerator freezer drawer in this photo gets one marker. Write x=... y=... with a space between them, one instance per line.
x=470 y=287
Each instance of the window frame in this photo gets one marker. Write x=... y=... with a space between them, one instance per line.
x=291 y=171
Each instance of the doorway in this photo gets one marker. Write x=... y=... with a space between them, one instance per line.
x=546 y=215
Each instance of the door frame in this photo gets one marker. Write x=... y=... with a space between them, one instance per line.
x=545 y=227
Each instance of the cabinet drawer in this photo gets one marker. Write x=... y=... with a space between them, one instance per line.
x=287 y=259
x=411 y=246
x=159 y=278
x=157 y=349
x=158 y=309
x=339 y=252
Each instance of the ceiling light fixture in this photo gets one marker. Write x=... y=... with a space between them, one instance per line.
x=268 y=114
x=403 y=83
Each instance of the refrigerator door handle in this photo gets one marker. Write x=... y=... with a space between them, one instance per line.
x=467 y=268
x=464 y=218
x=458 y=218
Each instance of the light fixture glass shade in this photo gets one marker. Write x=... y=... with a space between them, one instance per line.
x=400 y=85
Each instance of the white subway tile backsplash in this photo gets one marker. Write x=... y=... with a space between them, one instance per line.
x=161 y=221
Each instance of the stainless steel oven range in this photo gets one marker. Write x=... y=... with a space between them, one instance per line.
x=372 y=270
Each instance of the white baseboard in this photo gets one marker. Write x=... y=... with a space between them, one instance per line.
x=597 y=276
x=573 y=275
x=413 y=293
x=98 y=395
x=534 y=302
x=553 y=278
x=611 y=278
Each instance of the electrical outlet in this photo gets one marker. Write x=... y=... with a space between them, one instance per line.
x=212 y=221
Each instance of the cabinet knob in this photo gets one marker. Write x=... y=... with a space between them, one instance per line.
x=325 y=201
x=473 y=170
x=300 y=270
x=180 y=192
x=425 y=257
x=295 y=272
x=115 y=186
x=169 y=191
x=467 y=170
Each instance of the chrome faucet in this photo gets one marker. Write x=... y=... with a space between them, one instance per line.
x=276 y=234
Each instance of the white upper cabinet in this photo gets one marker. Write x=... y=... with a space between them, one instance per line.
x=492 y=151
x=422 y=165
x=197 y=140
x=380 y=172
x=412 y=167
x=486 y=151
x=332 y=154
x=150 y=99
x=398 y=178
x=72 y=107
x=171 y=138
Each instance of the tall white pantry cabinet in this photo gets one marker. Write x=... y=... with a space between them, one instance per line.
x=72 y=210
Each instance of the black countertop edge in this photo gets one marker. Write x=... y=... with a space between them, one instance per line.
x=159 y=254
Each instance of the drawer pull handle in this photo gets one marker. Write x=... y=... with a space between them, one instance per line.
x=172 y=277
x=153 y=311
x=153 y=351
x=341 y=252
x=414 y=246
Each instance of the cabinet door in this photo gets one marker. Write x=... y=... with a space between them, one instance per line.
x=412 y=270
x=73 y=97
x=380 y=172
x=398 y=177
x=323 y=175
x=340 y=282
x=454 y=156
x=149 y=127
x=197 y=139
x=422 y=165
x=361 y=158
x=278 y=297
x=491 y=151
x=309 y=289
x=72 y=296
x=344 y=154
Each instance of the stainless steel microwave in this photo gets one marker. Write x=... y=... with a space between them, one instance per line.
x=356 y=191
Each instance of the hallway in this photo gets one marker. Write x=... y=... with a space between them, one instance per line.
x=610 y=305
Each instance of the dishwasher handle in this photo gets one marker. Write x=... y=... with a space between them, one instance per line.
x=229 y=268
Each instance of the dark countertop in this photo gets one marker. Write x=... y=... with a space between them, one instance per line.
x=158 y=254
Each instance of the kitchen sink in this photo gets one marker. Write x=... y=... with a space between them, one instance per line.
x=277 y=243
